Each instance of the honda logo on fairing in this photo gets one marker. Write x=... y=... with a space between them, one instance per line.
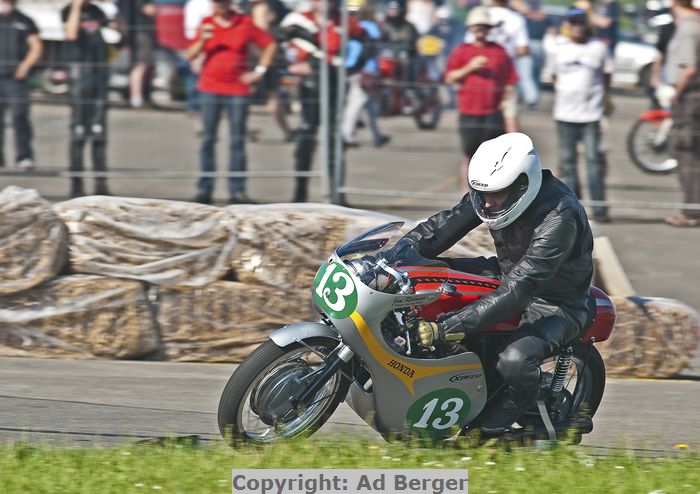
x=463 y=377
x=401 y=368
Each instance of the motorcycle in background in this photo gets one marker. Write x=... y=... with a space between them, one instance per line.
x=647 y=140
x=365 y=350
x=409 y=86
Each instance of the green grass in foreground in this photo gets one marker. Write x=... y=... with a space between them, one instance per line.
x=185 y=469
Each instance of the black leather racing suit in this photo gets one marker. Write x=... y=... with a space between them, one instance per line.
x=545 y=266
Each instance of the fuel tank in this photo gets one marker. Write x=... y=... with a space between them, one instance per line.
x=460 y=289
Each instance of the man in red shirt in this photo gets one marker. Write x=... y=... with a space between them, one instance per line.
x=224 y=84
x=487 y=78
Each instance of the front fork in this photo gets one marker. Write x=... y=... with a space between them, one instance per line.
x=340 y=356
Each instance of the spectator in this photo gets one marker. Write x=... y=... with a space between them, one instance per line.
x=581 y=69
x=487 y=78
x=303 y=31
x=401 y=38
x=364 y=85
x=683 y=72
x=87 y=55
x=510 y=32
x=657 y=76
x=421 y=13
x=270 y=89
x=538 y=23
x=20 y=50
x=451 y=32
x=224 y=85
x=605 y=15
x=143 y=41
x=195 y=12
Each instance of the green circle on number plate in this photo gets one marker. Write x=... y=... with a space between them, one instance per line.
x=334 y=291
x=438 y=412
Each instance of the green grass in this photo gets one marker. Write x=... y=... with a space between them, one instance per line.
x=207 y=469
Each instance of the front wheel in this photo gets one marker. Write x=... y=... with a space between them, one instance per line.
x=255 y=405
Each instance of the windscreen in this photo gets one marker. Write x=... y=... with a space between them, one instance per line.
x=380 y=271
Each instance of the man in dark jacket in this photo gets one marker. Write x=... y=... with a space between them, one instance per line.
x=20 y=50
x=87 y=56
x=543 y=244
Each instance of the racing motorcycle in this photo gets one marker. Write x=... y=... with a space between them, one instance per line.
x=365 y=350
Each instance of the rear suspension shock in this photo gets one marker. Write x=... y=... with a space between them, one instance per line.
x=561 y=370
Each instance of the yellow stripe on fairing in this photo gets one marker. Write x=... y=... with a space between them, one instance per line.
x=384 y=357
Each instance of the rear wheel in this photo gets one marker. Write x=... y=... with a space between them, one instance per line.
x=255 y=405
x=583 y=387
x=647 y=145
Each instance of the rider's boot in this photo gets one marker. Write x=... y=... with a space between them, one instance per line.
x=503 y=411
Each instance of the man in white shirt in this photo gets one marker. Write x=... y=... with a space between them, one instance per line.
x=581 y=68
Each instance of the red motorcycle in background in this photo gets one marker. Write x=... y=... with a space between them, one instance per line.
x=408 y=86
x=647 y=141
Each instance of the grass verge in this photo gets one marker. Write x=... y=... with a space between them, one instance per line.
x=207 y=469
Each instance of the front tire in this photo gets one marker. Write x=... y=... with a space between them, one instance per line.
x=254 y=407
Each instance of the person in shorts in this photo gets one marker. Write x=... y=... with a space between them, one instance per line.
x=487 y=81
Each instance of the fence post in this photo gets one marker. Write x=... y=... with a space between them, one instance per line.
x=339 y=164
x=324 y=104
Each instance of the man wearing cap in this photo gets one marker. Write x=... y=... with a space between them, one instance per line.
x=581 y=69
x=487 y=78
x=683 y=72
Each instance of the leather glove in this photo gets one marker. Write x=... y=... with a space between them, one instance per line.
x=430 y=332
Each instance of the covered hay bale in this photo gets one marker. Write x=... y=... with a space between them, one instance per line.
x=79 y=316
x=162 y=242
x=33 y=239
x=653 y=337
x=283 y=245
x=224 y=321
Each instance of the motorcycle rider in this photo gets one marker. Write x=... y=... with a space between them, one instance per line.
x=400 y=39
x=543 y=244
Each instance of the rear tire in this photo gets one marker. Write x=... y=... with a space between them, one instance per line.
x=589 y=393
x=254 y=370
x=639 y=145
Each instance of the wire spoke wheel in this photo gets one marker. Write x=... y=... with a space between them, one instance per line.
x=256 y=405
x=586 y=381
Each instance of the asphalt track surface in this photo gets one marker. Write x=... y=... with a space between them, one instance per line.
x=100 y=402
x=86 y=402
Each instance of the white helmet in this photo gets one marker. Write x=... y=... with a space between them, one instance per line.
x=508 y=162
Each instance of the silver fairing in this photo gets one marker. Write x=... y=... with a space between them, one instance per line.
x=398 y=381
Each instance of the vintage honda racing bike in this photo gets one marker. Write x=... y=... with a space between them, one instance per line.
x=365 y=350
